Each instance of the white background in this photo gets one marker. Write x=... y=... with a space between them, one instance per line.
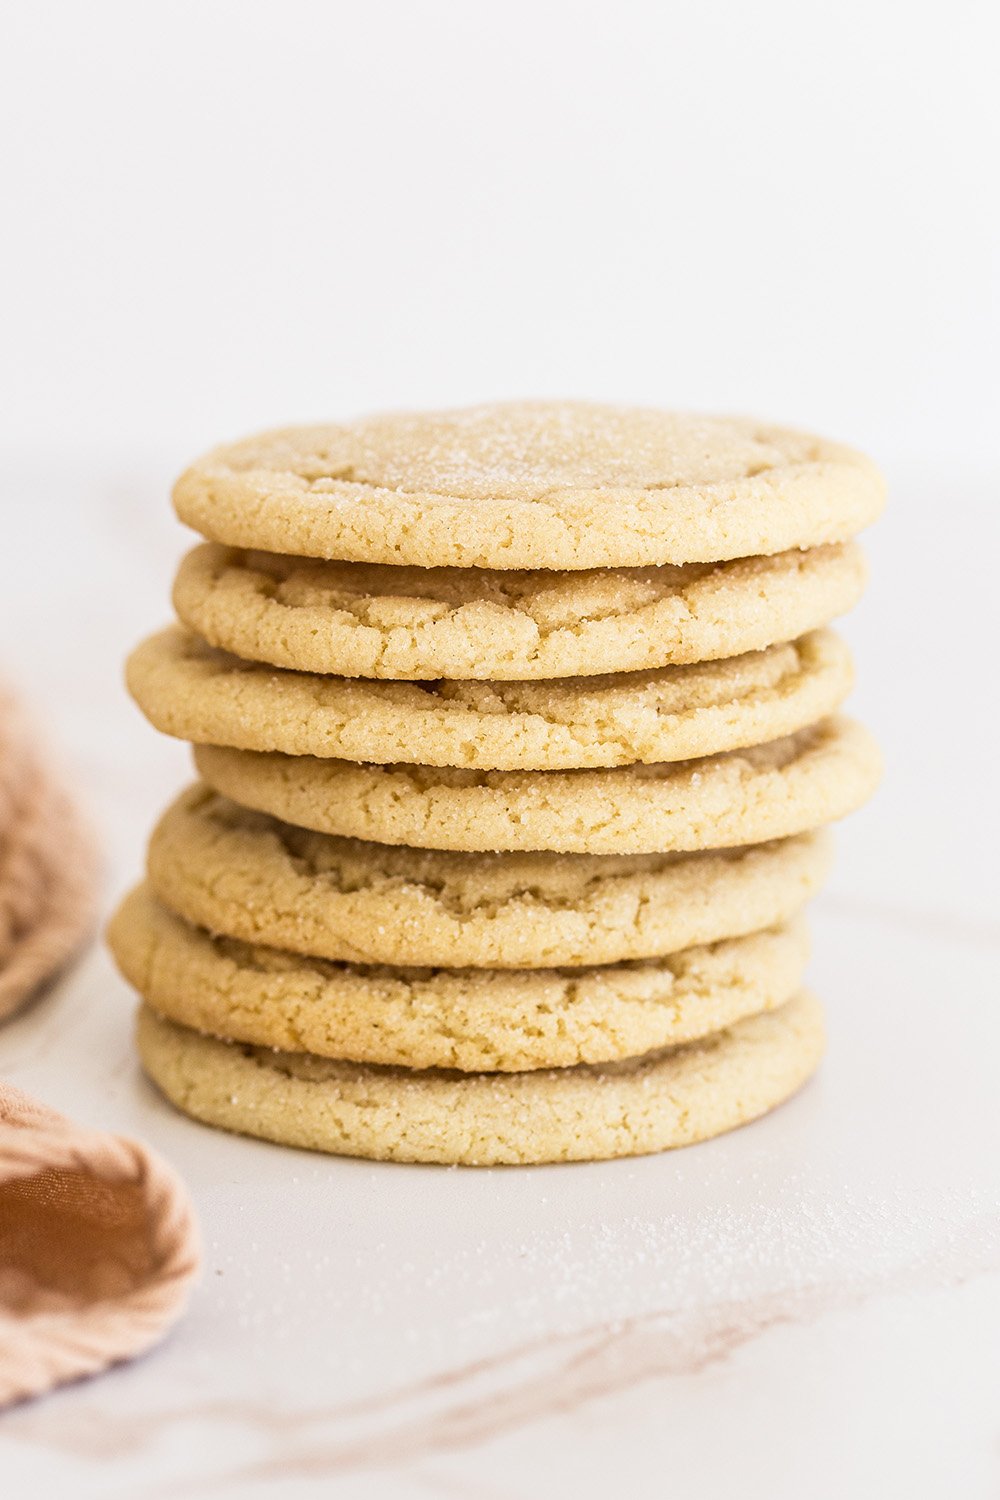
x=226 y=215
x=218 y=217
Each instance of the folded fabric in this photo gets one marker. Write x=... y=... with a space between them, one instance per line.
x=98 y=1243
x=47 y=865
x=98 y=1247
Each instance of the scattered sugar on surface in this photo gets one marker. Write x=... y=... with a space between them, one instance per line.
x=451 y=1283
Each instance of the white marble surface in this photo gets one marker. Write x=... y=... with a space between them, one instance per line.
x=809 y=1307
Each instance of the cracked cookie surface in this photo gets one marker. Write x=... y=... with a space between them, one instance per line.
x=251 y=876
x=751 y=796
x=590 y=1112
x=191 y=690
x=531 y=484
x=405 y=623
x=470 y=1019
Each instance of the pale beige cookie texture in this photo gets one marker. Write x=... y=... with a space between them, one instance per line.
x=749 y=796
x=505 y=1020
x=250 y=876
x=191 y=690
x=590 y=1112
x=373 y=620
x=531 y=484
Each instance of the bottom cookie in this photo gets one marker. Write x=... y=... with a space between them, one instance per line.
x=665 y=1099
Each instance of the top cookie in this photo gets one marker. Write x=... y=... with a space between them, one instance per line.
x=536 y=484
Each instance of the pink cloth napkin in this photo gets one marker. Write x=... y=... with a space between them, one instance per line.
x=48 y=867
x=98 y=1243
x=98 y=1247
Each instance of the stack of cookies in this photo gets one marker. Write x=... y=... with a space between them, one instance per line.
x=517 y=730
